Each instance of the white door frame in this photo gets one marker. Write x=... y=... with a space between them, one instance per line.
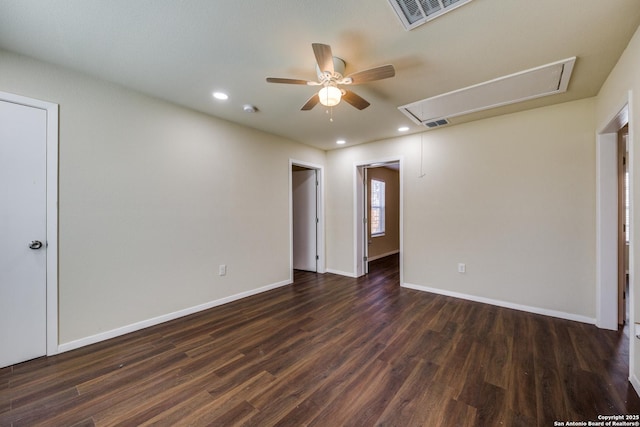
x=52 y=212
x=607 y=219
x=359 y=264
x=607 y=226
x=320 y=209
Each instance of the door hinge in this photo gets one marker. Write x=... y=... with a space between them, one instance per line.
x=364 y=220
x=317 y=257
x=317 y=220
x=364 y=258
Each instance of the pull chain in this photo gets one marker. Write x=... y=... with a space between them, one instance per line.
x=330 y=112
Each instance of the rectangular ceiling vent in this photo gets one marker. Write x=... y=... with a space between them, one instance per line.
x=534 y=83
x=437 y=123
x=416 y=12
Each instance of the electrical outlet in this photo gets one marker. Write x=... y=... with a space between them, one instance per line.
x=222 y=270
x=462 y=268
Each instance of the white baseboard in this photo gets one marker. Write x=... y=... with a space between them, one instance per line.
x=72 y=345
x=373 y=258
x=505 y=304
x=341 y=273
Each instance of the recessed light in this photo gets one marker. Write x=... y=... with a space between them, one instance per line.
x=220 y=95
x=341 y=142
x=403 y=128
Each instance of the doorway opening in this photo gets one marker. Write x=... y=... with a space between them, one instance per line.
x=378 y=215
x=623 y=225
x=614 y=215
x=307 y=219
x=611 y=216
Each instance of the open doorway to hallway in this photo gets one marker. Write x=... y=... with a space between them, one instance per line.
x=623 y=225
x=306 y=217
x=382 y=229
x=613 y=165
x=378 y=219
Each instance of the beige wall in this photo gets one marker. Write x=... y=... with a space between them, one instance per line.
x=389 y=242
x=152 y=201
x=613 y=95
x=153 y=197
x=512 y=197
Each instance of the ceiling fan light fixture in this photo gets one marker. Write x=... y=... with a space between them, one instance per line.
x=329 y=96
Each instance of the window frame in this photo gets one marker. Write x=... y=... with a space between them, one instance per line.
x=379 y=206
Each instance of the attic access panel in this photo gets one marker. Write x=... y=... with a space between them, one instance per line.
x=534 y=83
x=413 y=13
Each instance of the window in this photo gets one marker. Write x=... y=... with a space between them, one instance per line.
x=377 y=208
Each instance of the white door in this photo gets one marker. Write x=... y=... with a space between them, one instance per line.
x=23 y=230
x=305 y=220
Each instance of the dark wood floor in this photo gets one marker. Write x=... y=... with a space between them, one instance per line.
x=333 y=351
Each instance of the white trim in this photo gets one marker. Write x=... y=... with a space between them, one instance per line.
x=373 y=258
x=505 y=304
x=358 y=215
x=52 y=229
x=103 y=336
x=341 y=273
x=632 y=283
x=52 y=212
x=321 y=235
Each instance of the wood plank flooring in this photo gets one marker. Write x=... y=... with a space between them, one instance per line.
x=333 y=351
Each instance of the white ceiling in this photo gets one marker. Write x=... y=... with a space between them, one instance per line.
x=183 y=50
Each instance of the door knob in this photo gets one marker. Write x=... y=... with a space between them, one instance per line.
x=35 y=244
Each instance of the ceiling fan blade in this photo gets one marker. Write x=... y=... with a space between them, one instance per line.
x=377 y=73
x=288 y=81
x=356 y=100
x=324 y=57
x=311 y=102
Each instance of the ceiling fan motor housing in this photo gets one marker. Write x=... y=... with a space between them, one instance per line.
x=338 y=67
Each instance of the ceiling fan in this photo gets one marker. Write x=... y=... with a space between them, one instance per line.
x=330 y=71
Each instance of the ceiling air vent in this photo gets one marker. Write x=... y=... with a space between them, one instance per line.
x=534 y=83
x=416 y=12
x=437 y=123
